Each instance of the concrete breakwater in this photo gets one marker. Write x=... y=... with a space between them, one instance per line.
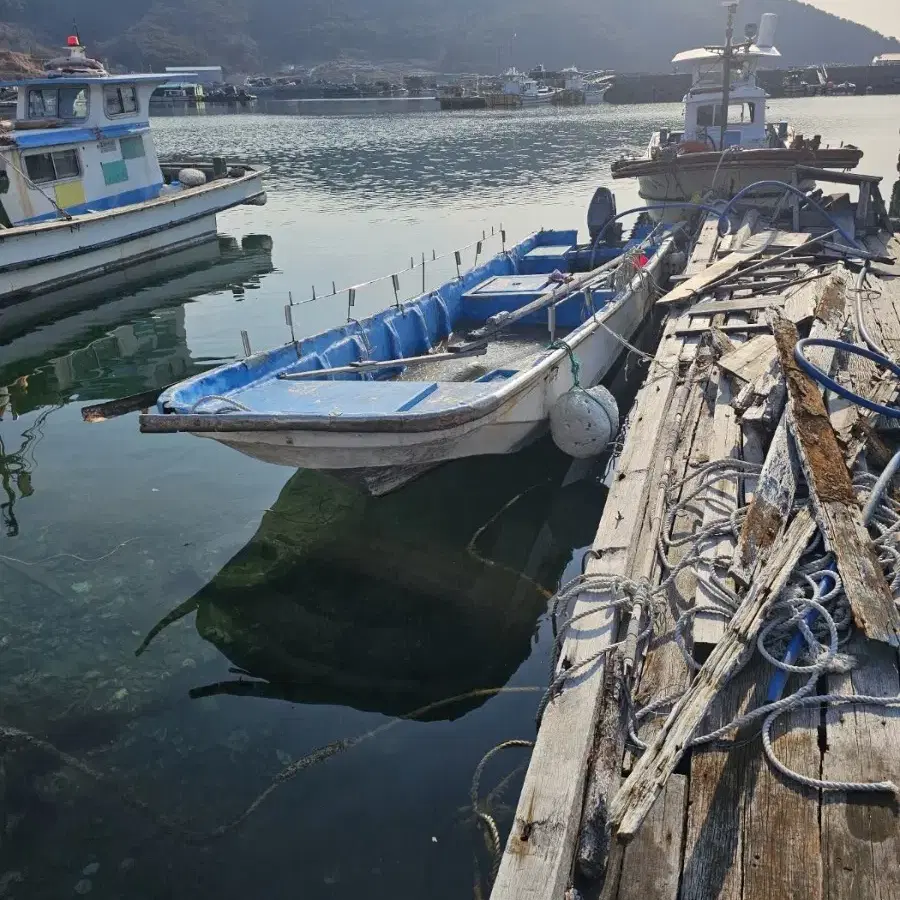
x=670 y=88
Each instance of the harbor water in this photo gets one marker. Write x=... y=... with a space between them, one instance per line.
x=224 y=679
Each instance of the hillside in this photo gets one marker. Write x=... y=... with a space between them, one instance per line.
x=252 y=35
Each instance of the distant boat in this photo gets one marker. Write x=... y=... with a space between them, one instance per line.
x=82 y=192
x=474 y=367
x=591 y=88
x=721 y=151
x=529 y=91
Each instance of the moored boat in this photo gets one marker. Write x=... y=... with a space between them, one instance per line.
x=474 y=367
x=726 y=144
x=82 y=192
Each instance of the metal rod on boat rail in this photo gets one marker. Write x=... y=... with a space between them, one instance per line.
x=423 y=272
x=434 y=256
x=245 y=340
x=375 y=365
x=351 y=301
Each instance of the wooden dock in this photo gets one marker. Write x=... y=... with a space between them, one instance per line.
x=733 y=464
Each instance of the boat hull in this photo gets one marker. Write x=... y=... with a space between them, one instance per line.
x=689 y=185
x=38 y=258
x=519 y=419
x=688 y=177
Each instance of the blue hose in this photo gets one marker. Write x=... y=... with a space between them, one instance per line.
x=794 y=190
x=779 y=679
x=827 y=381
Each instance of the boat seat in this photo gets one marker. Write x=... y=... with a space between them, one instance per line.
x=354 y=399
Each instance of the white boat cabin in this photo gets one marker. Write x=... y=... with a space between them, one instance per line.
x=704 y=112
x=80 y=143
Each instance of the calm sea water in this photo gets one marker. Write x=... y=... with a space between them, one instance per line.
x=284 y=612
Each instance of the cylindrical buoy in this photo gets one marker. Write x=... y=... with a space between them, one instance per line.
x=583 y=422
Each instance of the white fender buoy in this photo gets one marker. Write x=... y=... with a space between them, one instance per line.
x=583 y=422
x=191 y=177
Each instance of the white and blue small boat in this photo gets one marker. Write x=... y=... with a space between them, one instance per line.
x=471 y=368
x=82 y=192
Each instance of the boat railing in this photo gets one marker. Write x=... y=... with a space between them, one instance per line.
x=350 y=291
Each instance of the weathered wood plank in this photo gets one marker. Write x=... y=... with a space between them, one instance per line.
x=861 y=833
x=651 y=868
x=717 y=786
x=768 y=513
x=752 y=359
x=637 y=795
x=781 y=841
x=833 y=498
x=723 y=306
x=720 y=502
x=695 y=286
x=770 y=508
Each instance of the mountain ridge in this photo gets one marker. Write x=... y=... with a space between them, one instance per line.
x=257 y=35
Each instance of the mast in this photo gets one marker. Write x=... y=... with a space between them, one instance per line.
x=727 y=55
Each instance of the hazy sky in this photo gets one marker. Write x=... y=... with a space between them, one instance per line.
x=882 y=15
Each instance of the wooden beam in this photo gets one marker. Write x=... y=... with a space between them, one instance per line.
x=639 y=792
x=539 y=854
x=833 y=498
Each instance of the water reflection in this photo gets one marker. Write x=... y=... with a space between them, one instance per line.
x=392 y=604
x=398 y=160
x=17 y=467
x=97 y=340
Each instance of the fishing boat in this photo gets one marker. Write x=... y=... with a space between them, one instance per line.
x=474 y=367
x=82 y=192
x=725 y=143
x=591 y=88
x=529 y=91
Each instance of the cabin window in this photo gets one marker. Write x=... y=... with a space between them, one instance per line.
x=45 y=167
x=132 y=147
x=58 y=103
x=738 y=114
x=120 y=100
x=705 y=115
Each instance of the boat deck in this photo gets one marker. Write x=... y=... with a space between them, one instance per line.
x=728 y=470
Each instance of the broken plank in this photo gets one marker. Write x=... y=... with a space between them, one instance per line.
x=861 y=832
x=695 y=286
x=637 y=795
x=833 y=498
x=768 y=512
x=749 y=328
x=752 y=359
x=717 y=306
